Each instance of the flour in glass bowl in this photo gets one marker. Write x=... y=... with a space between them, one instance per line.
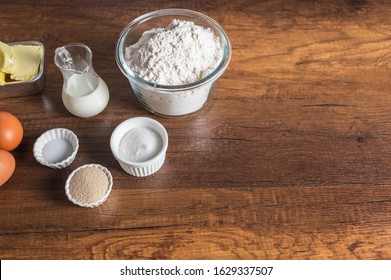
x=180 y=54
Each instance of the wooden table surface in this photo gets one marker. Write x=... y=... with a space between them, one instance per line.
x=290 y=160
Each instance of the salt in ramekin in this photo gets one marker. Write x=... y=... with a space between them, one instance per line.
x=56 y=148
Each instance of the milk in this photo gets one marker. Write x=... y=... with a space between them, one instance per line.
x=85 y=95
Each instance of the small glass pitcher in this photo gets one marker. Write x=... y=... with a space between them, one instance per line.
x=84 y=93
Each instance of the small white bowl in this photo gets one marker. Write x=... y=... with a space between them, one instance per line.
x=56 y=148
x=100 y=201
x=139 y=168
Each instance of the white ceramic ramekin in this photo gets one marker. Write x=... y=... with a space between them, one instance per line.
x=56 y=148
x=100 y=201
x=143 y=168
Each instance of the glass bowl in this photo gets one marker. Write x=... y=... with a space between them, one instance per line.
x=171 y=100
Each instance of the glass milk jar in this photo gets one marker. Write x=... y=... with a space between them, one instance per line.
x=84 y=93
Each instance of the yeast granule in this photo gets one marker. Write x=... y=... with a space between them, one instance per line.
x=89 y=185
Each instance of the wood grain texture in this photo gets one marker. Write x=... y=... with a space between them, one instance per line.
x=290 y=160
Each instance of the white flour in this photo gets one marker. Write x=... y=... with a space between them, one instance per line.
x=179 y=54
x=182 y=53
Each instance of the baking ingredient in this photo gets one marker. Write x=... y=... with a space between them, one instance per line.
x=2 y=78
x=182 y=53
x=7 y=166
x=85 y=95
x=140 y=144
x=7 y=59
x=27 y=60
x=178 y=103
x=11 y=131
x=88 y=185
x=57 y=151
x=19 y=62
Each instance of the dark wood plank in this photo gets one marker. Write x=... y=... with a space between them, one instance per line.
x=234 y=242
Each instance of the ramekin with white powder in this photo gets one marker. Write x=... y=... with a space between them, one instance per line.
x=173 y=67
x=139 y=145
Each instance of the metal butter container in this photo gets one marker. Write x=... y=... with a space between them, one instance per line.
x=34 y=86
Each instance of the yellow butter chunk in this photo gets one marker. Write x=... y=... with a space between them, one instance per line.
x=2 y=78
x=20 y=61
x=7 y=59
x=27 y=60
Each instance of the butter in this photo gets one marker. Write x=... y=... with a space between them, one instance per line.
x=7 y=59
x=21 y=62
x=2 y=78
x=27 y=63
